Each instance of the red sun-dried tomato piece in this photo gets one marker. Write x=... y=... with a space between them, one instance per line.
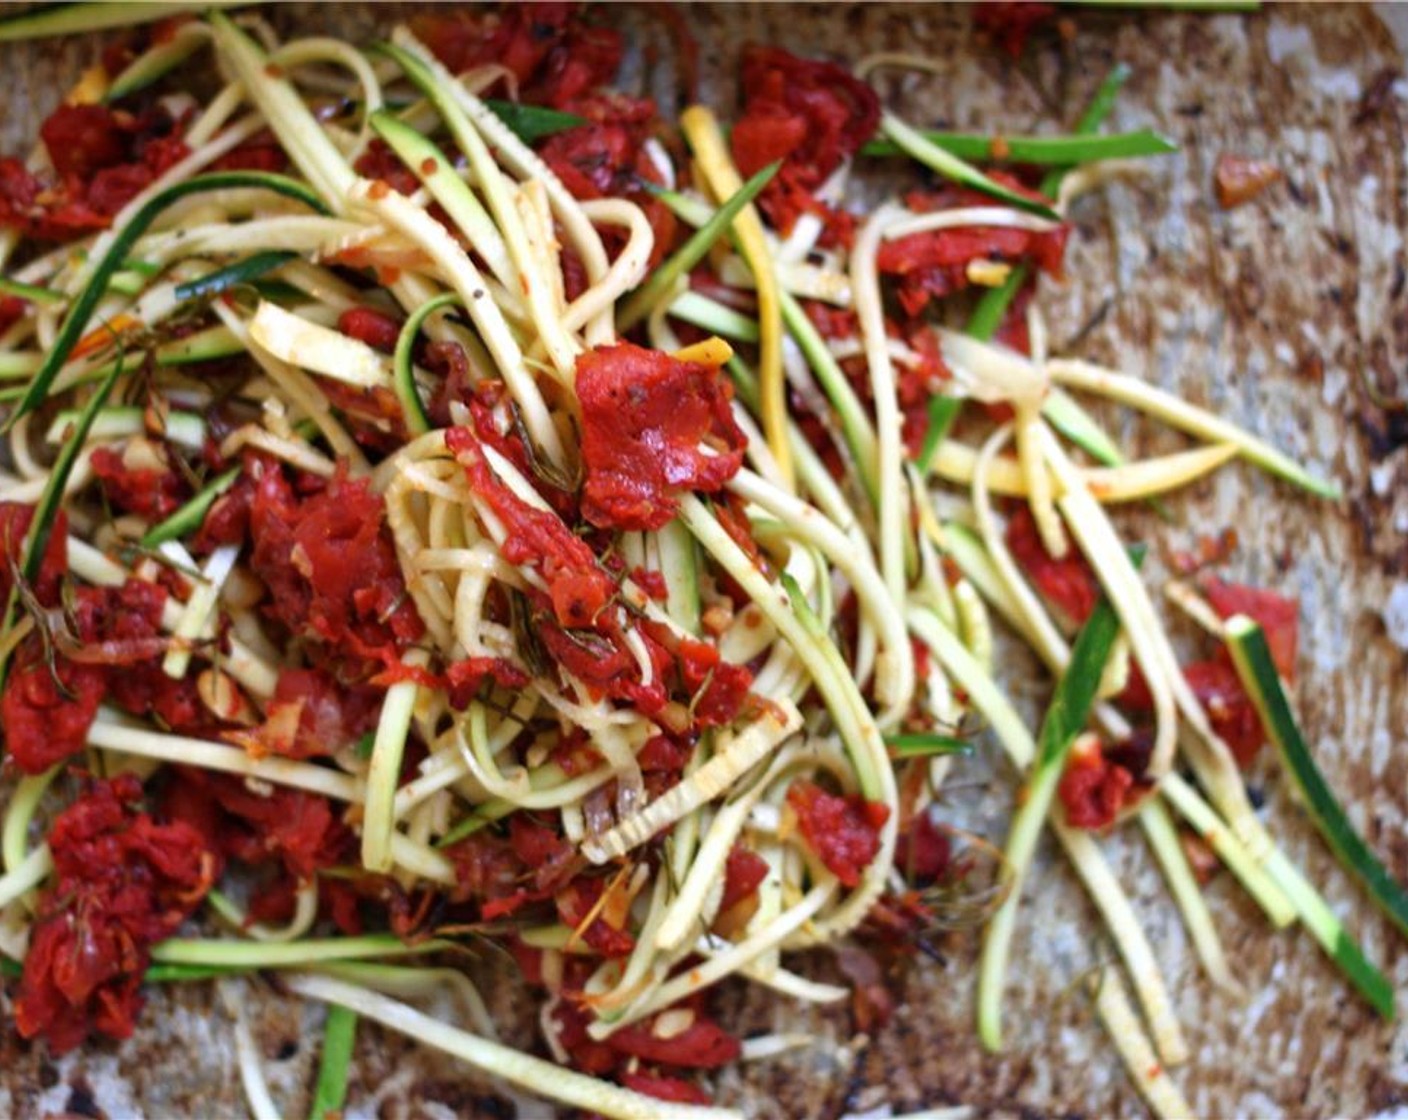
x=1011 y=22
x=844 y=832
x=491 y=408
x=1277 y=615
x=1233 y=716
x=664 y=1088
x=465 y=678
x=121 y=883
x=15 y=518
x=575 y=902
x=542 y=851
x=489 y=873
x=586 y=60
x=261 y=152
x=554 y=56
x=934 y=264
x=923 y=852
x=701 y=1045
x=578 y=587
x=744 y=871
x=644 y=416
x=600 y=659
x=312 y=714
x=83 y=139
x=12 y=310
x=150 y=493
x=718 y=689
x=1069 y=583
x=297 y=831
x=330 y=566
x=600 y=157
x=519 y=37
x=607 y=157
x=810 y=114
x=1093 y=789
x=376 y=328
x=46 y=712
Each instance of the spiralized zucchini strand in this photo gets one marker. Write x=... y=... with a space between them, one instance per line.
x=702 y=131
x=892 y=495
x=466 y=279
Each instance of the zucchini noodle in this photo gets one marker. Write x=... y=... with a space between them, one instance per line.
x=362 y=556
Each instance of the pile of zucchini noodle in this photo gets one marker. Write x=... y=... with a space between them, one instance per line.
x=891 y=531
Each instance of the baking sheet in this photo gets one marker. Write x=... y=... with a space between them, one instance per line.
x=1272 y=314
